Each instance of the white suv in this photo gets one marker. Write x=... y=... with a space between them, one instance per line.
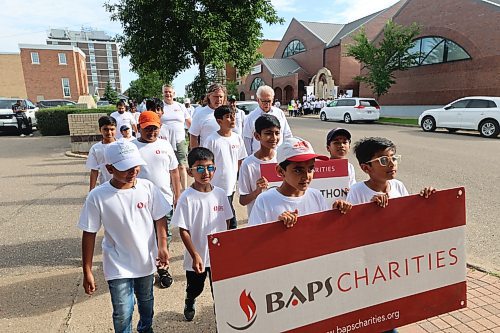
x=8 y=119
x=478 y=113
x=351 y=109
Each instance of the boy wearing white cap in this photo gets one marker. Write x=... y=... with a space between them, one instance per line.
x=126 y=207
x=295 y=158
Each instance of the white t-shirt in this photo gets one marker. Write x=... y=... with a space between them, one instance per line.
x=271 y=204
x=227 y=152
x=125 y=118
x=352 y=174
x=240 y=119
x=129 y=247
x=174 y=116
x=249 y=174
x=249 y=127
x=166 y=133
x=203 y=124
x=96 y=161
x=201 y=213
x=160 y=159
x=360 y=193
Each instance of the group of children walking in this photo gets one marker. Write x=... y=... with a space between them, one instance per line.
x=140 y=187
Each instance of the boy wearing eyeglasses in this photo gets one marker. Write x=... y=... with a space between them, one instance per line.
x=202 y=209
x=229 y=151
x=377 y=158
x=338 y=144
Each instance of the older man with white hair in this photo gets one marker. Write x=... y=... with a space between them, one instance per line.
x=265 y=98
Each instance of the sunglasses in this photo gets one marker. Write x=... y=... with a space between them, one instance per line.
x=202 y=168
x=384 y=160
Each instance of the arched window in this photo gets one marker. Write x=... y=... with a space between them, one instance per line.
x=436 y=50
x=256 y=83
x=294 y=47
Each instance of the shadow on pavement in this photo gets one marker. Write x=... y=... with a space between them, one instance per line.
x=45 y=202
x=170 y=321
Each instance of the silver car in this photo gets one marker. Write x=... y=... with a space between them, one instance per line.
x=351 y=109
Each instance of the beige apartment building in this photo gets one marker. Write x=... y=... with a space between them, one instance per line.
x=12 y=79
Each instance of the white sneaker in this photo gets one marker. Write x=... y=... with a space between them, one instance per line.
x=31 y=134
x=23 y=135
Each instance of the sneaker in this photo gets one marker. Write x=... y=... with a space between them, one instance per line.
x=22 y=135
x=189 y=310
x=164 y=277
x=31 y=134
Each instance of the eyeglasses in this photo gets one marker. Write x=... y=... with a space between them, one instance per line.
x=265 y=102
x=384 y=160
x=202 y=168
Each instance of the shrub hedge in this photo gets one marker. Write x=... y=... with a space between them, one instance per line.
x=54 y=121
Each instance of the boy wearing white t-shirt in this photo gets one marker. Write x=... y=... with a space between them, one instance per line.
x=250 y=181
x=128 y=208
x=201 y=210
x=95 y=158
x=229 y=151
x=377 y=158
x=293 y=197
x=338 y=144
x=161 y=170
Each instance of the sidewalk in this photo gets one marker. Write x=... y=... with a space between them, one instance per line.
x=481 y=315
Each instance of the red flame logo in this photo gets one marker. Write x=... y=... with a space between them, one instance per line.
x=247 y=305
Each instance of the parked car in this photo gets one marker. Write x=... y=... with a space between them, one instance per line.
x=8 y=119
x=50 y=103
x=478 y=113
x=102 y=103
x=351 y=109
x=247 y=106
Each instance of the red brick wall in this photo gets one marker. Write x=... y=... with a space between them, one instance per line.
x=475 y=26
x=45 y=78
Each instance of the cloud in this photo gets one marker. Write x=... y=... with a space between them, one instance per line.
x=285 y=6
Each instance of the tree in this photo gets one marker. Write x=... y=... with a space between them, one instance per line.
x=110 y=94
x=382 y=60
x=170 y=36
x=147 y=85
x=232 y=88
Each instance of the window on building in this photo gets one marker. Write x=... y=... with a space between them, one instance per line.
x=73 y=44
x=294 y=47
x=62 y=58
x=65 y=87
x=256 y=83
x=91 y=47
x=437 y=50
x=92 y=58
x=35 y=59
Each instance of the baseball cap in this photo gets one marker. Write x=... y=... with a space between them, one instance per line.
x=336 y=132
x=148 y=118
x=124 y=128
x=123 y=155
x=187 y=100
x=231 y=98
x=296 y=149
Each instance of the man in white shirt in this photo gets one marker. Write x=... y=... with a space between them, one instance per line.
x=239 y=114
x=123 y=117
x=265 y=97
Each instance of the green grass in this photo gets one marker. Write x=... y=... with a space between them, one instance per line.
x=406 y=121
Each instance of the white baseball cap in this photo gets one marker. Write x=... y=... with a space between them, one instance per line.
x=123 y=155
x=187 y=100
x=297 y=150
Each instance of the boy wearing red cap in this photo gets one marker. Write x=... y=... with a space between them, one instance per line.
x=293 y=197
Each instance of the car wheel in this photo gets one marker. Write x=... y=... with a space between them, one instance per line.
x=322 y=116
x=428 y=124
x=452 y=130
x=347 y=118
x=489 y=128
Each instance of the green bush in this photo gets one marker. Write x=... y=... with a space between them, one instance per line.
x=54 y=121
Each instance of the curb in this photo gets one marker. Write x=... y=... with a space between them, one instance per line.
x=75 y=155
x=376 y=122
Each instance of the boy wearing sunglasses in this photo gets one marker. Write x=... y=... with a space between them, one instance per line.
x=202 y=209
x=377 y=158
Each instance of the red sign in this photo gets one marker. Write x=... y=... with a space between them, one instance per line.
x=370 y=270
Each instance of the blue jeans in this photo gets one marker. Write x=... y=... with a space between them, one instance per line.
x=122 y=297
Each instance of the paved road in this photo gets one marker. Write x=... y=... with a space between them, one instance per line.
x=42 y=192
x=441 y=160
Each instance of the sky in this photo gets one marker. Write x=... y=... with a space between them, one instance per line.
x=27 y=22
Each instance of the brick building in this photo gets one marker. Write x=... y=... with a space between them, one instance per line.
x=53 y=72
x=460 y=42
x=102 y=56
x=11 y=80
x=461 y=39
